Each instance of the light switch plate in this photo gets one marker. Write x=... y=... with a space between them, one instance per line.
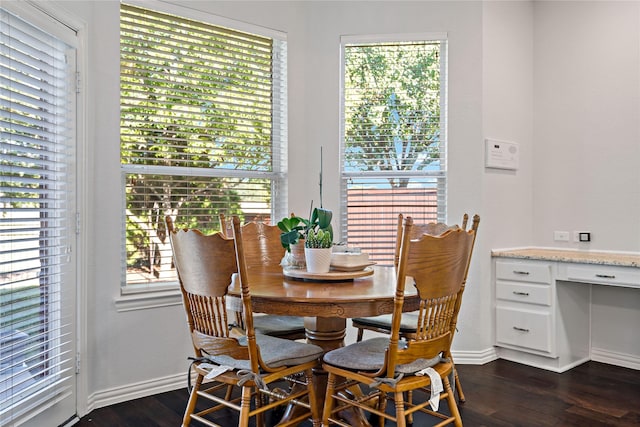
x=501 y=154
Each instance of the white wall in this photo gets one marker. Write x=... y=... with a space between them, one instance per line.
x=587 y=146
x=586 y=121
x=509 y=79
x=507 y=116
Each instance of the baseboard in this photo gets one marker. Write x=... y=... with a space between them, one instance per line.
x=475 y=357
x=613 y=358
x=124 y=393
x=73 y=421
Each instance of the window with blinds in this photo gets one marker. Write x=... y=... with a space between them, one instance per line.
x=37 y=222
x=203 y=131
x=393 y=139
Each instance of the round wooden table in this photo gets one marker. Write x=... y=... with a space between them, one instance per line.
x=326 y=304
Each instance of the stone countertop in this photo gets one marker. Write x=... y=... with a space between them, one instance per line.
x=625 y=259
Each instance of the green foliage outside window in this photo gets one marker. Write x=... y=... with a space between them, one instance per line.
x=394 y=139
x=196 y=129
x=392 y=107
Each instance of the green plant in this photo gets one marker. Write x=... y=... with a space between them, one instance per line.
x=295 y=228
x=319 y=239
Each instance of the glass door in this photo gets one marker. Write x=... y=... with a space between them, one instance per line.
x=37 y=220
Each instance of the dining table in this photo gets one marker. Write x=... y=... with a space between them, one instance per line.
x=326 y=301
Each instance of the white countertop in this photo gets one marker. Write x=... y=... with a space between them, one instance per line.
x=625 y=259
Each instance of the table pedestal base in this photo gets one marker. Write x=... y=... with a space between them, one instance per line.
x=326 y=332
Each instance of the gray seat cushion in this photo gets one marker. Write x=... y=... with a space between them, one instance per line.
x=275 y=352
x=278 y=325
x=368 y=355
x=408 y=322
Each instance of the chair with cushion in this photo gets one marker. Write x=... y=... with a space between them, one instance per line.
x=390 y=367
x=251 y=363
x=382 y=323
x=263 y=249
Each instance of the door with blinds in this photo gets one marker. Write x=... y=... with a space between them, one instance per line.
x=38 y=317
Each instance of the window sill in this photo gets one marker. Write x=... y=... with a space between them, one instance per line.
x=142 y=299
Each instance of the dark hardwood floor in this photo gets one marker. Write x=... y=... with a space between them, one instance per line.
x=500 y=393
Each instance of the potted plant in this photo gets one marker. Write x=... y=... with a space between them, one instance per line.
x=292 y=239
x=295 y=230
x=317 y=251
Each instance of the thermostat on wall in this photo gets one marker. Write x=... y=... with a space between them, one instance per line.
x=501 y=154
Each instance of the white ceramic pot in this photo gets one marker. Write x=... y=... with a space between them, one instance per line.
x=318 y=259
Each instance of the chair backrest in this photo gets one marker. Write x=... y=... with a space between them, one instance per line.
x=262 y=246
x=262 y=251
x=205 y=265
x=431 y=228
x=474 y=227
x=437 y=266
x=244 y=278
x=226 y=227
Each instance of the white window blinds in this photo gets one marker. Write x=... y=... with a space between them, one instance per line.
x=203 y=131
x=37 y=226
x=394 y=139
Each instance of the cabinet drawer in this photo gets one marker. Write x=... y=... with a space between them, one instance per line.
x=524 y=329
x=524 y=292
x=605 y=275
x=523 y=271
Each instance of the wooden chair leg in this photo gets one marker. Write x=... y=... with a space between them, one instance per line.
x=328 y=402
x=360 y=334
x=400 y=417
x=313 y=399
x=451 y=401
x=382 y=407
x=461 y=398
x=245 y=406
x=227 y=395
x=191 y=404
x=410 y=400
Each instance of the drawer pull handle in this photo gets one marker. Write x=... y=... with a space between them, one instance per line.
x=520 y=329
x=525 y=273
x=526 y=294
x=606 y=276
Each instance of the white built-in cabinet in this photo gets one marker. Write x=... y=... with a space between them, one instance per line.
x=542 y=306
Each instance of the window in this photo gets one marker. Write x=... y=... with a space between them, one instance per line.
x=37 y=218
x=393 y=138
x=203 y=131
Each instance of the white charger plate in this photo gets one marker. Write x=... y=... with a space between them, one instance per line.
x=331 y=276
x=351 y=267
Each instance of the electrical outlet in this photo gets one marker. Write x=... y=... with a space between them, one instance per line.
x=561 y=236
x=581 y=236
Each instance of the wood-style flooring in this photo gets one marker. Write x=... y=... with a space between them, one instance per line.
x=500 y=393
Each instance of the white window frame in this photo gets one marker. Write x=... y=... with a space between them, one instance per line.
x=442 y=175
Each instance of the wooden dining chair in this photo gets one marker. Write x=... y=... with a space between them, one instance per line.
x=389 y=367
x=263 y=250
x=382 y=323
x=206 y=265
